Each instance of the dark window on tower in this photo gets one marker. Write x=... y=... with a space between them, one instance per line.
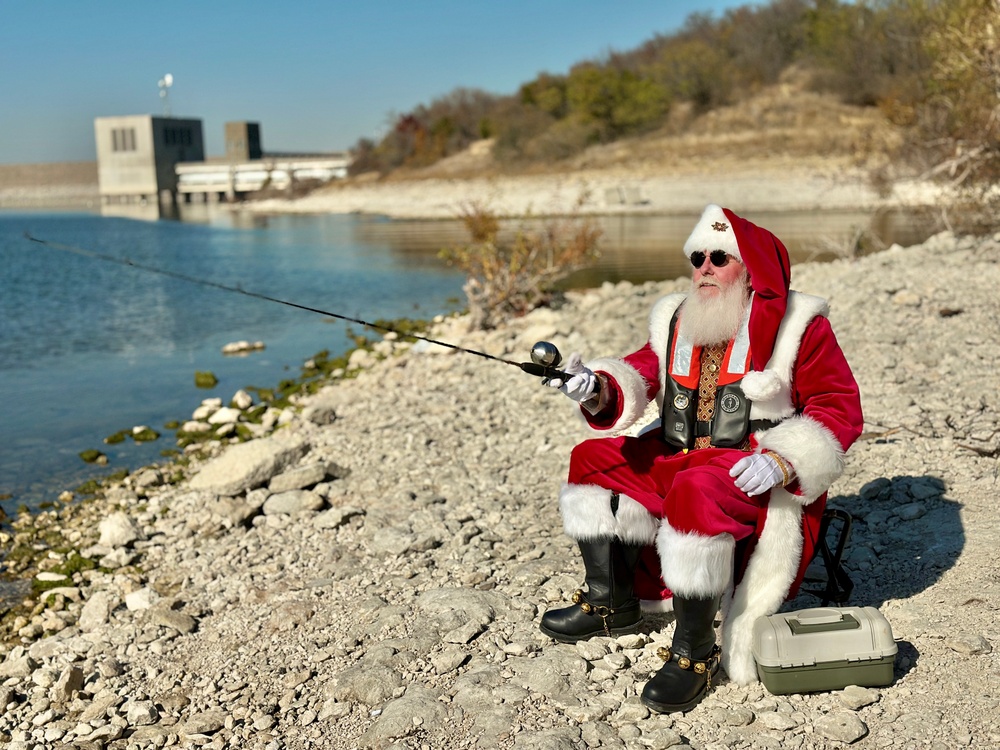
x=123 y=139
x=177 y=136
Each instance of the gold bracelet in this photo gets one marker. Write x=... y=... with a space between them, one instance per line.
x=783 y=465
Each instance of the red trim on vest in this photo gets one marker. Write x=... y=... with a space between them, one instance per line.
x=693 y=376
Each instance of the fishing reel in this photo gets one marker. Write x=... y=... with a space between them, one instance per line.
x=545 y=361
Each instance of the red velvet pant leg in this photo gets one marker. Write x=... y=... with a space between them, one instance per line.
x=621 y=464
x=699 y=495
x=693 y=490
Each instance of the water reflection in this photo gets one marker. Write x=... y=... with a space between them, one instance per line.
x=648 y=248
x=634 y=248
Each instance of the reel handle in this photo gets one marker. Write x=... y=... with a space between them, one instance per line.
x=544 y=371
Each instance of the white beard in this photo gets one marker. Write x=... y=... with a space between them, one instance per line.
x=706 y=321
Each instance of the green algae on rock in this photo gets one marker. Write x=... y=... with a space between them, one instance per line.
x=205 y=379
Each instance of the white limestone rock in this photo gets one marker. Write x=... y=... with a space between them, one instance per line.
x=119 y=530
x=242 y=400
x=141 y=599
x=225 y=415
x=248 y=465
x=292 y=502
x=97 y=611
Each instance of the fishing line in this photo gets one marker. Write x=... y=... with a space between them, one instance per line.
x=539 y=369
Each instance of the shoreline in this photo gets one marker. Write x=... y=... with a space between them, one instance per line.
x=747 y=189
x=776 y=184
x=379 y=577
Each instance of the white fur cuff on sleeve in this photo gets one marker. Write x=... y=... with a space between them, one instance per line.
x=632 y=386
x=813 y=450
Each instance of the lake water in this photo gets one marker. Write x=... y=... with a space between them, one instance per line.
x=89 y=348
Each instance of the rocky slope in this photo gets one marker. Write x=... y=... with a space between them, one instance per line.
x=371 y=573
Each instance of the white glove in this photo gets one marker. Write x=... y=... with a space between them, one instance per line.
x=757 y=473
x=582 y=383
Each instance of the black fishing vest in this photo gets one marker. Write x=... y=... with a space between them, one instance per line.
x=730 y=424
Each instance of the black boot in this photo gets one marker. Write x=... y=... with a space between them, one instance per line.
x=691 y=660
x=608 y=607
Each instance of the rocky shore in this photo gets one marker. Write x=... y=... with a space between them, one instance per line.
x=56 y=185
x=791 y=185
x=370 y=570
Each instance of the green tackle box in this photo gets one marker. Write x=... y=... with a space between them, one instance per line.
x=825 y=648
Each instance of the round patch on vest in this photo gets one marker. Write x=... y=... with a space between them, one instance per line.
x=730 y=403
x=681 y=402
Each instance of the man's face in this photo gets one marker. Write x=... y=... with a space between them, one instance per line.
x=711 y=280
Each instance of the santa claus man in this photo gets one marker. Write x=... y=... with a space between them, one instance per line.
x=758 y=406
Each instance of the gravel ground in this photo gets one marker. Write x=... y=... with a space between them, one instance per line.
x=371 y=572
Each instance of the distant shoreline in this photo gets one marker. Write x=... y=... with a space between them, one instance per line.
x=606 y=192
x=54 y=186
x=765 y=186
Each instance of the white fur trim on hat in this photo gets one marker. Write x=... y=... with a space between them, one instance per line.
x=758 y=386
x=713 y=231
x=695 y=565
x=586 y=514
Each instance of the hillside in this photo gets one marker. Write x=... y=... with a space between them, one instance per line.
x=786 y=149
x=783 y=125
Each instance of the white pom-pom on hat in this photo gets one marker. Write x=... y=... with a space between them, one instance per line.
x=714 y=231
x=760 y=385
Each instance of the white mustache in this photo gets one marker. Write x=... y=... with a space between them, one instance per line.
x=709 y=282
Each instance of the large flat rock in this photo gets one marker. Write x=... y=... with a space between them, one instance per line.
x=248 y=465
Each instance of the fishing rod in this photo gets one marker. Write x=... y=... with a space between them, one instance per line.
x=545 y=357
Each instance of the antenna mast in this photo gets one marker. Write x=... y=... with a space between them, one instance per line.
x=165 y=83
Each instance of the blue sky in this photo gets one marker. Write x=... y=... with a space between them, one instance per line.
x=315 y=75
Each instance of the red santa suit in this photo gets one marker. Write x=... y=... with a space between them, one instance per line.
x=711 y=537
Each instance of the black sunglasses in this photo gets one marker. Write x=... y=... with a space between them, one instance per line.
x=719 y=258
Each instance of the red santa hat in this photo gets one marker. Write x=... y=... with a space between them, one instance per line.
x=765 y=258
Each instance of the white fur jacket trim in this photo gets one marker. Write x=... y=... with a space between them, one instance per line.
x=633 y=389
x=765 y=584
x=586 y=513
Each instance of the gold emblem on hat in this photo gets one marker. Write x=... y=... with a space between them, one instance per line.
x=720 y=226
